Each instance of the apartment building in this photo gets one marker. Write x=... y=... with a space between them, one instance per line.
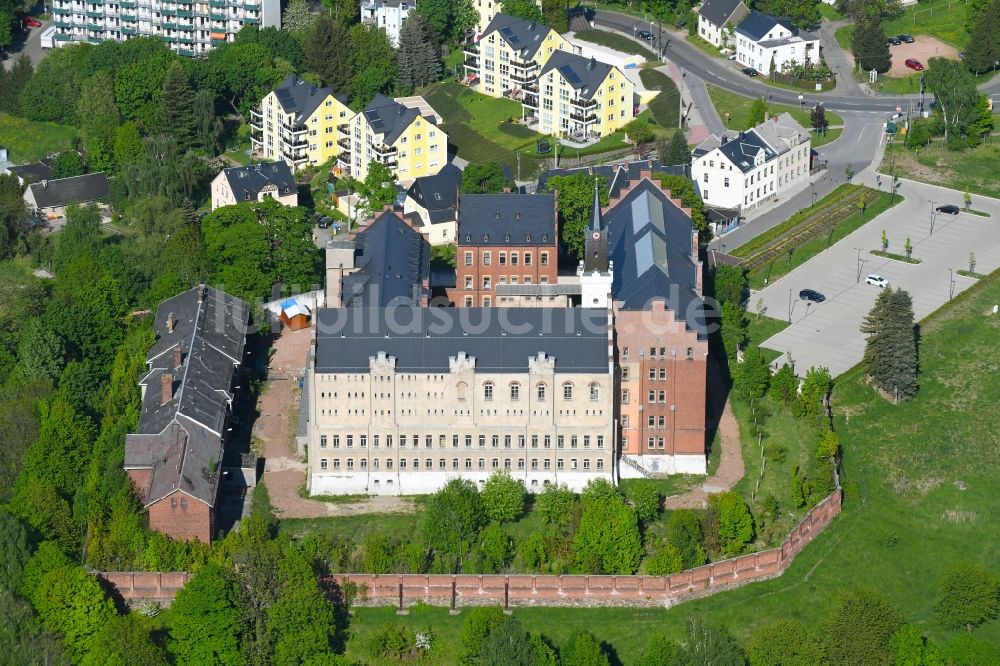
x=718 y=18
x=255 y=182
x=299 y=123
x=504 y=239
x=509 y=55
x=793 y=145
x=390 y=15
x=402 y=137
x=768 y=43
x=404 y=400
x=578 y=97
x=189 y=28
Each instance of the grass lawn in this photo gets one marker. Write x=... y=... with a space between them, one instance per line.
x=843 y=36
x=710 y=50
x=762 y=327
x=829 y=13
x=974 y=170
x=665 y=107
x=944 y=19
x=29 y=141
x=613 y=40
x=811 y=248
x=738 y=108
x=921 y=495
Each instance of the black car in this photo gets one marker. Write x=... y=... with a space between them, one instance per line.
x=645 y=34
x=811 y=295
x=324 y=222
x=908 y=39
x=948 y=208
x=893 y=41
x=750 y=71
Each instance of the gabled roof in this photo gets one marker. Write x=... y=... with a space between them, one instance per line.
x=33 y=172
x=438 y=193
x=756 y=25
x=781 y=132
x=649 y=243
x=181 y=440
x=68 y=191
x=246 y=182
x=393 y=261
x=720 y=12
x=743 y=150
x=507 y=219
x=301 y=97
x=387 y=116
x=584 y=74
x=523 y=36
x=424 y=339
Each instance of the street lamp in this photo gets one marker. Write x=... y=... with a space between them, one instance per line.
x=951 y=284
x=800 y=102
x=789 y=306
x=932 y=217
x=860 y=264
x=812 y=184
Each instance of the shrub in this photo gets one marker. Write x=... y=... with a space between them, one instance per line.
x=969 y=596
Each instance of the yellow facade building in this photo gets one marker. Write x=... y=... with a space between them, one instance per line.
x=579 y=97
x=510 y=54
x=298 y=122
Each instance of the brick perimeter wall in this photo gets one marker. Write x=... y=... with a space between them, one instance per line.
x=531 y=590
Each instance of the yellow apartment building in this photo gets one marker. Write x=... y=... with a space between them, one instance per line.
x=487 y=9
x=297 y=123
x=579 y=97
x=509 y=55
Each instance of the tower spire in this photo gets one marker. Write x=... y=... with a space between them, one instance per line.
x=595 y=221
x=595 y=245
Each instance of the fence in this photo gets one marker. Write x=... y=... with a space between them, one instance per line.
x=402 y=590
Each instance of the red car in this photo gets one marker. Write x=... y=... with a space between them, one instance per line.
x=914 y=64
x=30 y=22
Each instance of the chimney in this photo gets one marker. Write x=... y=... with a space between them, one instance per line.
x=177 y=357
x=170 y=323
x=166 y=388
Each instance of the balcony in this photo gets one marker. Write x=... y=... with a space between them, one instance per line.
x=185 y=13
x=345 y=143
x=471 y=48
x=294 y=143
x=583 y=103
x=92 y=14
x=252 y=20
x=94 y=27
x=62 y=24
x=129 y=18
x=217 y=17
x=257 y=136
x=523 y=78
x=344 y=158
x=61 y=11
x=168 y=25
x=384 y=150
x=186 y=39
x=186 y=27
x=579 y=116
x=185 y=52
x=294 y=129
x=344 y=128
x=530 y=101
x=524 y=64
x=217 y=4
x=251 y=6
x=128 y=31
x=472 y=62
x=63 y=37
x=168 y=12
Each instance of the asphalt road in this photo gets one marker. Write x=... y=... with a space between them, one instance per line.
x=829 y=333
x=32 y=46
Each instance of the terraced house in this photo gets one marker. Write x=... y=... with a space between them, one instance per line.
x=189 y=28
x=506 y=59
x=299 y=123
x=579 y=97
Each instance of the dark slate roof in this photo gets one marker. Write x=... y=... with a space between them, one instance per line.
x=392 y=263
x=717 y=12
x=68 y=191
x=507 y=219
x=389 y=117
x=182 y=439
x=500 y=339
x=616 y=175
x=757 y=25
x=33 y=172
x=246 y=182
x=584 y=74
x=649 y=241
x=523 y=36
x=301 y=97
x=438 y=193
x=742 y=150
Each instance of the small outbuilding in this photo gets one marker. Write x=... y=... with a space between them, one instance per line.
x=295 y=315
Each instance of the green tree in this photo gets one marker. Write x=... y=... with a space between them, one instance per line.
x=484 y=178
x=47 y=557
x=39 y=504
x=480 y=622
x=344 y=12
x=41 y=353
x=68 y=164
x=730 y=284
x=126 y=639
x=785 y=642
x=637 y=131
x=128 y=144
x=677 y=151
x=582 y=649
x=301 y=623
x=14 y=551
x=72 y=604
x=734 y=521
x=974 y=11
x=758 y=112
x=507 y=645
x=955 y=94
x=176 y=112
x=54 y=90
x=969 y=596
x=454 y=515
x=803 y=13
x=817 y=118
x=297 y=18
x=324 y=54
x=207 y=125
x=496 y=548
x=660 y=651
x=61 y=453
x=417 y=62
x=898 y=364
x=645 y=499
x=858 y=628
x=682 y=188
x=784 y=384
x=665 y=560
x=910 y=648
x=980 y=121
x=377 y=190
x=968 y=650
x=372 y=61
x=13 y=83
x=555 y=15
x=600 y=490
x=608 y=539
x=555 y=503
x=752 y=375
x=525 y=9
x=532 y=553
x=983 y=49
x=871 y=50
x=684 y=533
x=576 y=202
x=206 y=620
x=503 y=497
x=734 y=334
x=861 y=9
x=813 y=396
x=707 y=643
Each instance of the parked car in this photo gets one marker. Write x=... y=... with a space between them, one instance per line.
x=750 y=71
x=877 y=280
x=948 y=208
x=914 y=64
x=906 y=39
x=811 y=295
x=325 y=222
x=645 y=34
x=893 y=41
x=32 y=22
x=731 y=56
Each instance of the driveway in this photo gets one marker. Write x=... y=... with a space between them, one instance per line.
x=33 y=47
x=827 y=334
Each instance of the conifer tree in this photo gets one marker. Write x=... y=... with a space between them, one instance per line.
x=326 y=54
x=176 y=112
x=899 y=370
x=871 y=50
x=873 y=326
x=983 y=50
x=417 y=61
x=677 y=151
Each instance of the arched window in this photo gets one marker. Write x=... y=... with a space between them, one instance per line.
x=567 y=391
x=595 y=391
x=541 y=392
x=515 y=391
x=488 y=391
x=462 y=388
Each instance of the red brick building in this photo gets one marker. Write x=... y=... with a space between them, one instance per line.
x=175 y=458
x=503 y=239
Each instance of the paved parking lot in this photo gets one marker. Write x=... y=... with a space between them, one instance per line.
x=828 y=333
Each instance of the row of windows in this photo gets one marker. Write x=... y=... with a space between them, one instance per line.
x=508 y=441
x=325 y=463
x=655 y=352
x=487 y=257
x=654 y=396
x=489 y=388
x=488 y=281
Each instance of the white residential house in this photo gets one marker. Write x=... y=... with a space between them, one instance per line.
x=734 y=170
x=255 y=182
x=765 y=42
x=717 y=19
x=388 y=15
x=793 y=144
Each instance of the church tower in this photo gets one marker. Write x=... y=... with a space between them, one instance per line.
x=595 y=271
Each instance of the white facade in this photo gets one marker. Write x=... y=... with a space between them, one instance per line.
x=778 y=48
x=716 y=20
x=722 y=183
x=440 y=233
x=711 y=33
x=388 y=15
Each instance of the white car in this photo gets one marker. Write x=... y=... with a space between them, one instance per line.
x=877 y=280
